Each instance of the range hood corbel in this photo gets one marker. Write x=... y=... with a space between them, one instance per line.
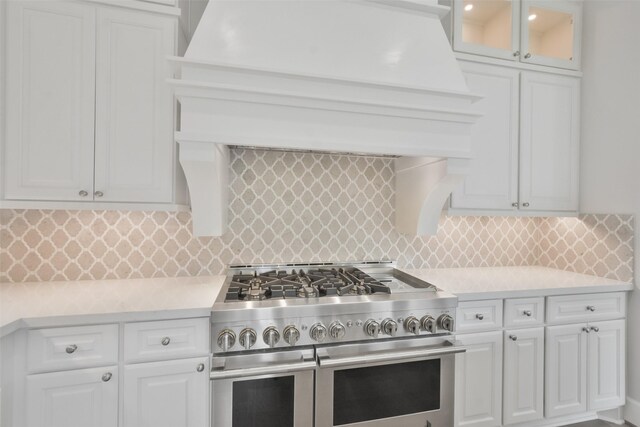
x=369 y=76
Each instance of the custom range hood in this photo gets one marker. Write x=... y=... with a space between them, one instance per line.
x=349 y=76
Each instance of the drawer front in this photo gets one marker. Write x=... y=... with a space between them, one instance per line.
x=479 y=315
x=586 y=308
x=56 y=349
x=167 y=339
x=523 y=312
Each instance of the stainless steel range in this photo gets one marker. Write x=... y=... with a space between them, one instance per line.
x=332 y=344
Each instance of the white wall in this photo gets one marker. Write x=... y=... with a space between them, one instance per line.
x=610 y=175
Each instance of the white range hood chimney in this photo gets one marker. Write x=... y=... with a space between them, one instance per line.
x=352 y=76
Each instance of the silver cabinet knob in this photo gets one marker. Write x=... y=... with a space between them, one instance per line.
x=412 y=325
x=428 y=323
x=480 y=316
x=318 y=332
x=372 y=328
x=271 y=336
x=247 y=338
x=446 y=322
x=389 y=327
x=513 y=337
x=71 y=348
x=516 y=53
x=83 y=193
x=226 y=339
x=515 y=204
x=591 y=308
x=165 y=341
x=98 y=194
x=585 y=329
x=106 y=377
x=527 y=313
x=527 y=56
x=291 y=335
x=595 y=329
x=525 y=205
x=200 y=367
x=337 y=330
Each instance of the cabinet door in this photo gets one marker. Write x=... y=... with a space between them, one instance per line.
x=478 y=395
x=492 y=182
x=167 y=394
x=523 y=375
x=488 y=27
x=134 y=107
x=50 y=101
x=549 y=138
x=81 y=398
x=606 y=365
x=551 y=33
x=566 y=370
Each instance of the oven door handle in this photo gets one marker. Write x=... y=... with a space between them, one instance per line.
x=325 y=361
x=284 y=368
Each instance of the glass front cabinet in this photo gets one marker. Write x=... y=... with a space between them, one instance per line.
x=541 y=32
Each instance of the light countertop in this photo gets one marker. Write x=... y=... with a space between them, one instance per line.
x=39 y=304
x=514 y=282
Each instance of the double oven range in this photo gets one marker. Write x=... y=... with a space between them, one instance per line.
x=332 y=345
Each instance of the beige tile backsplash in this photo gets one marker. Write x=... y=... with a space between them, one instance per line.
x=299 y=207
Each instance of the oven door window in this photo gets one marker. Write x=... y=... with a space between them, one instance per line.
x=267 y=402
x=384 y=391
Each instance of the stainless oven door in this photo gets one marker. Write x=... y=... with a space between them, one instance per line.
x=408 y=383
x=263 y=389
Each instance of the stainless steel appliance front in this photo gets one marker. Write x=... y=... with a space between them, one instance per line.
x=263 y=389
x=408 y=383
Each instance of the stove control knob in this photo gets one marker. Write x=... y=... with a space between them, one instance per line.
x=226 y=339
x=372 y=328
x=271 y=336
x=247 y=338
x=411 y=324
x=337 y=330
x=389 y=327
x=428 y=323
x=318 y=332
x=291 y=335
x=445 y=322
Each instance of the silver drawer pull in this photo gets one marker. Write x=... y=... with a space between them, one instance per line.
x=165 y=341
x=527 y=313
x=595 y=329
x=106 y=377
x=480 y=316
x=513 y=337
x=71 y=349
x=585 y=329
x=200 y=367
x=591 y=308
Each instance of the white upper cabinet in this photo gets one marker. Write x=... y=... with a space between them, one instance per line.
x=533 y=31
x=549 y=142
x=50 y=101
x=91 y=115
x=134 y=107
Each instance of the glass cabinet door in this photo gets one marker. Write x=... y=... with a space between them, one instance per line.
x=487 y=27
x=550 y=33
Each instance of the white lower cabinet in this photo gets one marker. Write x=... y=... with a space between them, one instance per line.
x=523 y=375
x=478 y=395
x=167 y=394
x=585 y=367
x=79 y=398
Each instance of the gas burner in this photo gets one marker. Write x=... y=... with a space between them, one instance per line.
x=310 y=283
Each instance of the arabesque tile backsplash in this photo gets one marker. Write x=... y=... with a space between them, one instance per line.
x=299 y=207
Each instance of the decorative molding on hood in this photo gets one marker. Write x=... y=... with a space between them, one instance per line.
x=321 y=75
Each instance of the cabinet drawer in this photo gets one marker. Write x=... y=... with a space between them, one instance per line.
x=479 y=315
x=167 y=339
x=586 y=308
x=57 y=349
x=523 y=312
